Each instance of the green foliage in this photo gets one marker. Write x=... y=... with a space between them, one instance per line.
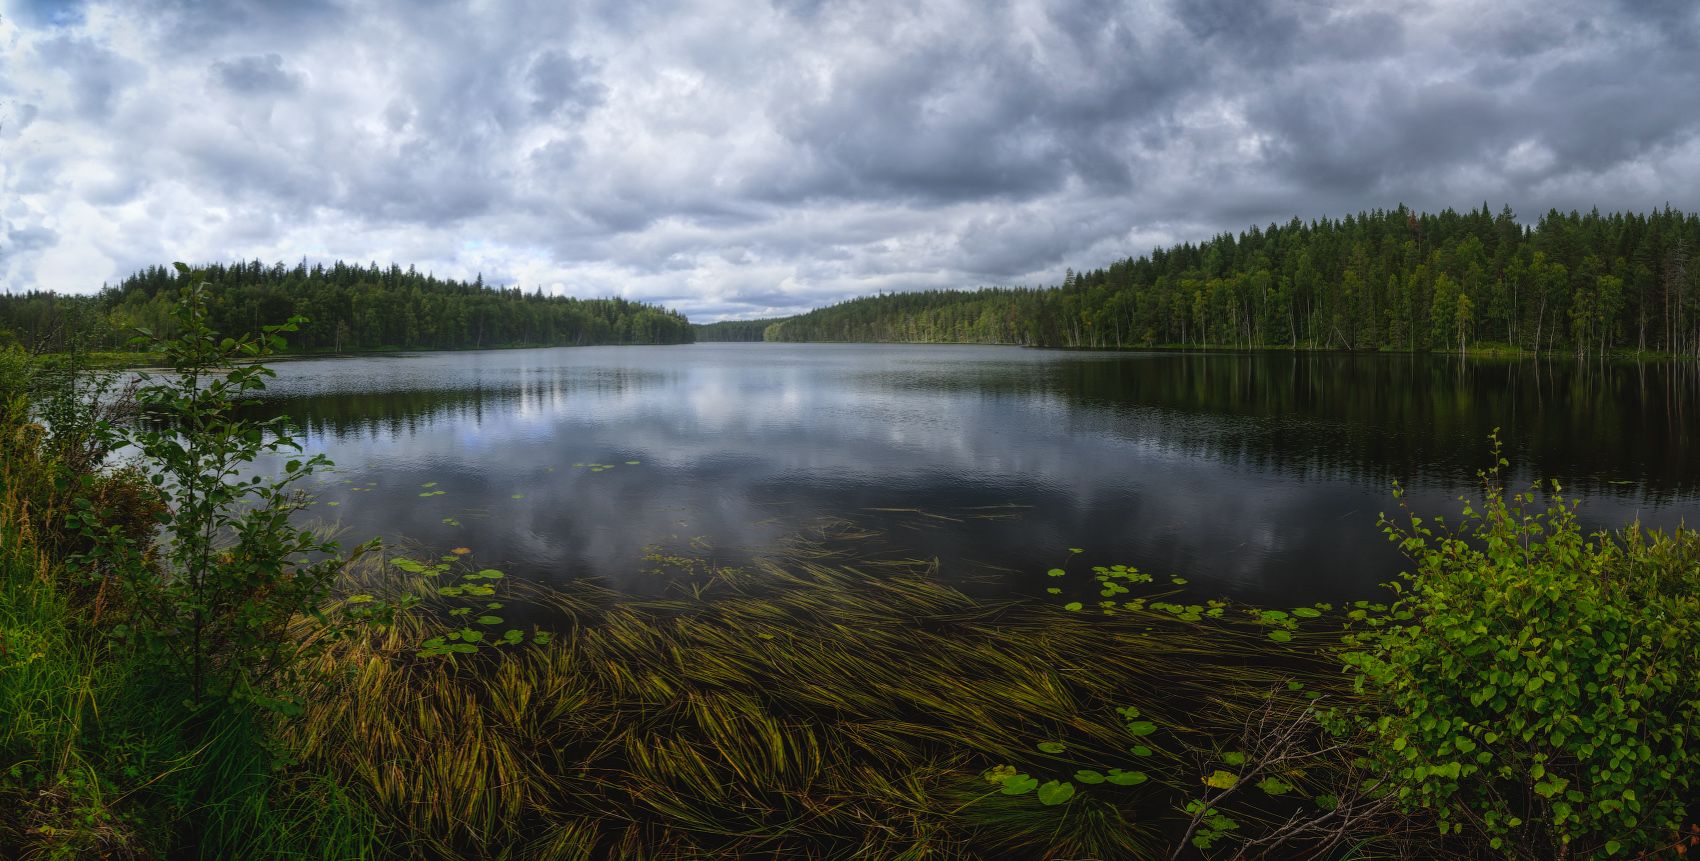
x=733 y=330
x=213 y=606
x=355 y=308
x=1382 y=280
x=1535 y=685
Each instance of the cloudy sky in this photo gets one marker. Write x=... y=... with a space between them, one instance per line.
x=740 y=158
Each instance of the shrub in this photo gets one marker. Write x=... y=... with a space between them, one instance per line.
x=211 y=606
x=1536 y=688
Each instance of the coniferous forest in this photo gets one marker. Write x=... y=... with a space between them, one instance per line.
x=1383 y=280
x=352 y=308
x=734 y=330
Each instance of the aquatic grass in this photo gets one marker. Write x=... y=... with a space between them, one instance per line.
x=811 y=704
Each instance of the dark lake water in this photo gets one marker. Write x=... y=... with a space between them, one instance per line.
x=1255 y=476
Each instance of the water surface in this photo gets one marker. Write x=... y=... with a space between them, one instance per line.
x=1256 y=476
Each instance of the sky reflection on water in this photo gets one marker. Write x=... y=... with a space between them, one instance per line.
x=1255 y=476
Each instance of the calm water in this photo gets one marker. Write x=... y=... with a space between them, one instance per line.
x=1255 y=476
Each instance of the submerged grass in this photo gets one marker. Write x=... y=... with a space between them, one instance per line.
x=808 y=705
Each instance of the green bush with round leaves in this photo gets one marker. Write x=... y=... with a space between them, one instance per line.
x=1536 y=688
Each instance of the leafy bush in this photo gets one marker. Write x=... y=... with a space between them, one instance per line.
x=213 y=605
x=1537 y=688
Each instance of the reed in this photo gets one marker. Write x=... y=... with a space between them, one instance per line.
x=811 y=704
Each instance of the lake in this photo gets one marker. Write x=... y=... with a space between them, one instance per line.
x=1253 y=476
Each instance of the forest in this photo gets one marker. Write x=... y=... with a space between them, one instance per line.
x=734 y=330
x=351 y=308
x=1392 y=280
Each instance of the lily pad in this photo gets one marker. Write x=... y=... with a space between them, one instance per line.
x=1118 y=777
x=1019 y=784
x=1052 y=747
x=1220 y=779
x=1055 y=792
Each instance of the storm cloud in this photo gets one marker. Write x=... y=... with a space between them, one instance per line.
x=733 y=159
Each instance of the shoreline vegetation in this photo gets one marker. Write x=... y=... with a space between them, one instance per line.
x=186 y=673
x=1569 y=284
x=107 y=360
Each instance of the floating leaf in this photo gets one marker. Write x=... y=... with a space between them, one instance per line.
x=488 y=620
x=631 y=463
x=1178 y=581
x=1055 y=792
x=1073 y=605
x=408 y=565
x=461 y=551
x=1234 y=758
x=1280 y=636
x=518 y=496
x=1220 y=779
x=1306 y=612
x=1125 y=778
x=428 y=485
x=1053 y=591
x=1088 y=776
x=998 y=774
x=1274 y=786
x=1139 y=750
x=1055 y=572
x=1142 y=727
x=1019 y=784
x=1052 y=746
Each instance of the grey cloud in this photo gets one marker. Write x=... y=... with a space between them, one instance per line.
x=97 y=75
x=562 y=84
x=23 y=239
x=738 y=159
x=255 y=75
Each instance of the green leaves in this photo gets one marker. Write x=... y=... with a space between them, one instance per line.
x=1524 y=659
x=230 y=572
x=1052 y=746
x=1054 y=792
x=1118 y=777
x=1019 y=784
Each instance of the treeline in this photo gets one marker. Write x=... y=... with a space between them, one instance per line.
x=351 y=308
x=734 y=330
x=1382 y=280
